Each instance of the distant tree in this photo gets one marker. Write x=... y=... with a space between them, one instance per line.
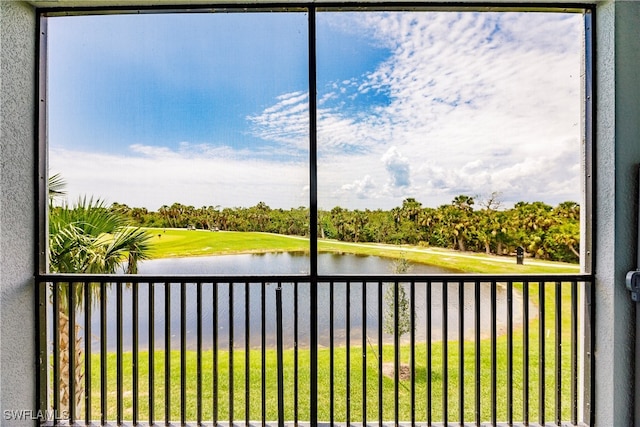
x=531 y=222
x=563 y=242
x=490 y=230
x=545 y=232
x=493 y=202
x=463 y=202
x=457 y=221
x=567 y=211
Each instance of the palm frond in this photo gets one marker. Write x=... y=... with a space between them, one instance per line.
x=90 y=238
x=56 y=185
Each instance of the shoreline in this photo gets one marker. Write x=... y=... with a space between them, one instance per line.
x=464 y=262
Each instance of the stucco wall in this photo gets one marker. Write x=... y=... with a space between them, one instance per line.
x=616 y=158
x=17 y=321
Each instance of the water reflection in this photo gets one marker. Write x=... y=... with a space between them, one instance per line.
x=363 y=297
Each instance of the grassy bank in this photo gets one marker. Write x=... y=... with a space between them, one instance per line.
x=183 y=243
x=168 y=243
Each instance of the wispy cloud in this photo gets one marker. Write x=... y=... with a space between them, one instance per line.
x=477 y=102
x=462 y=103
x=194 y=175
x=286 y=122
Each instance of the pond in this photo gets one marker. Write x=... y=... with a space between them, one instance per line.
x=278 y=263
x=284 y=263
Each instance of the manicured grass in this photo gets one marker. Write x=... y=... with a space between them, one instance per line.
x=463 y=262
x=340 y=390
x=182 y=243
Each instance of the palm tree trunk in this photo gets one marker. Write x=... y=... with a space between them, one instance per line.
x=78 y=374
x=572 y=249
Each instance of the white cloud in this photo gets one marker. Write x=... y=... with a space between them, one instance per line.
x=159 y=176
x=465 y=103
x=364 y=188
x=398 y=168
x=286 y=122
x=478 y=102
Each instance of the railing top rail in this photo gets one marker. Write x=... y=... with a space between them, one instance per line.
x=287 y=278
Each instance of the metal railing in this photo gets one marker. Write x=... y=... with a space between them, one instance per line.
x=336 y=349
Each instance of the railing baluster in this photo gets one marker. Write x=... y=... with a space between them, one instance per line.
x=574 y=352
x=87 y=351
x=412 y=335
x=103 y=353
x=541 y=354
x=214 y=322
x=167 y=353
x=510 y=352
x=183 y=352
x=43 y=322
x=71 y=328
x=589 y=291
x=445 y=352
x=429 y=357
x=199 y=352
x=380 y=326
x=295 y=354
x=396 y=354
x=119 y=356
x=478 y=325
x=279 y=355
x=264 y=352
x=56 y=350
x=364 y=353
x=525 y=352
x=134 y=338
x=231 y=401
x=494 y=355
x=348 y=350
x=331 y=355
x=558 y=353
x=461 y=351
x=152 y=302
x=247 y=362
x=313 y=342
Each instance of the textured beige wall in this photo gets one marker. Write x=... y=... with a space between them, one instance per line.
x=617 y=156
x=17 y=320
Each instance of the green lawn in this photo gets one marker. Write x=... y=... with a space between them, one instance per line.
x=355 y=394
x=182 y=243
x=189 y=243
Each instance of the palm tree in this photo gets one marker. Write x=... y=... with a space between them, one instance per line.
x=87 y=237
x=90 y=238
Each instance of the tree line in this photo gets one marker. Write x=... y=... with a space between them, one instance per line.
x=544 y=231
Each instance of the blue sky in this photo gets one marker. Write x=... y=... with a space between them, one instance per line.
x=212 y=108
